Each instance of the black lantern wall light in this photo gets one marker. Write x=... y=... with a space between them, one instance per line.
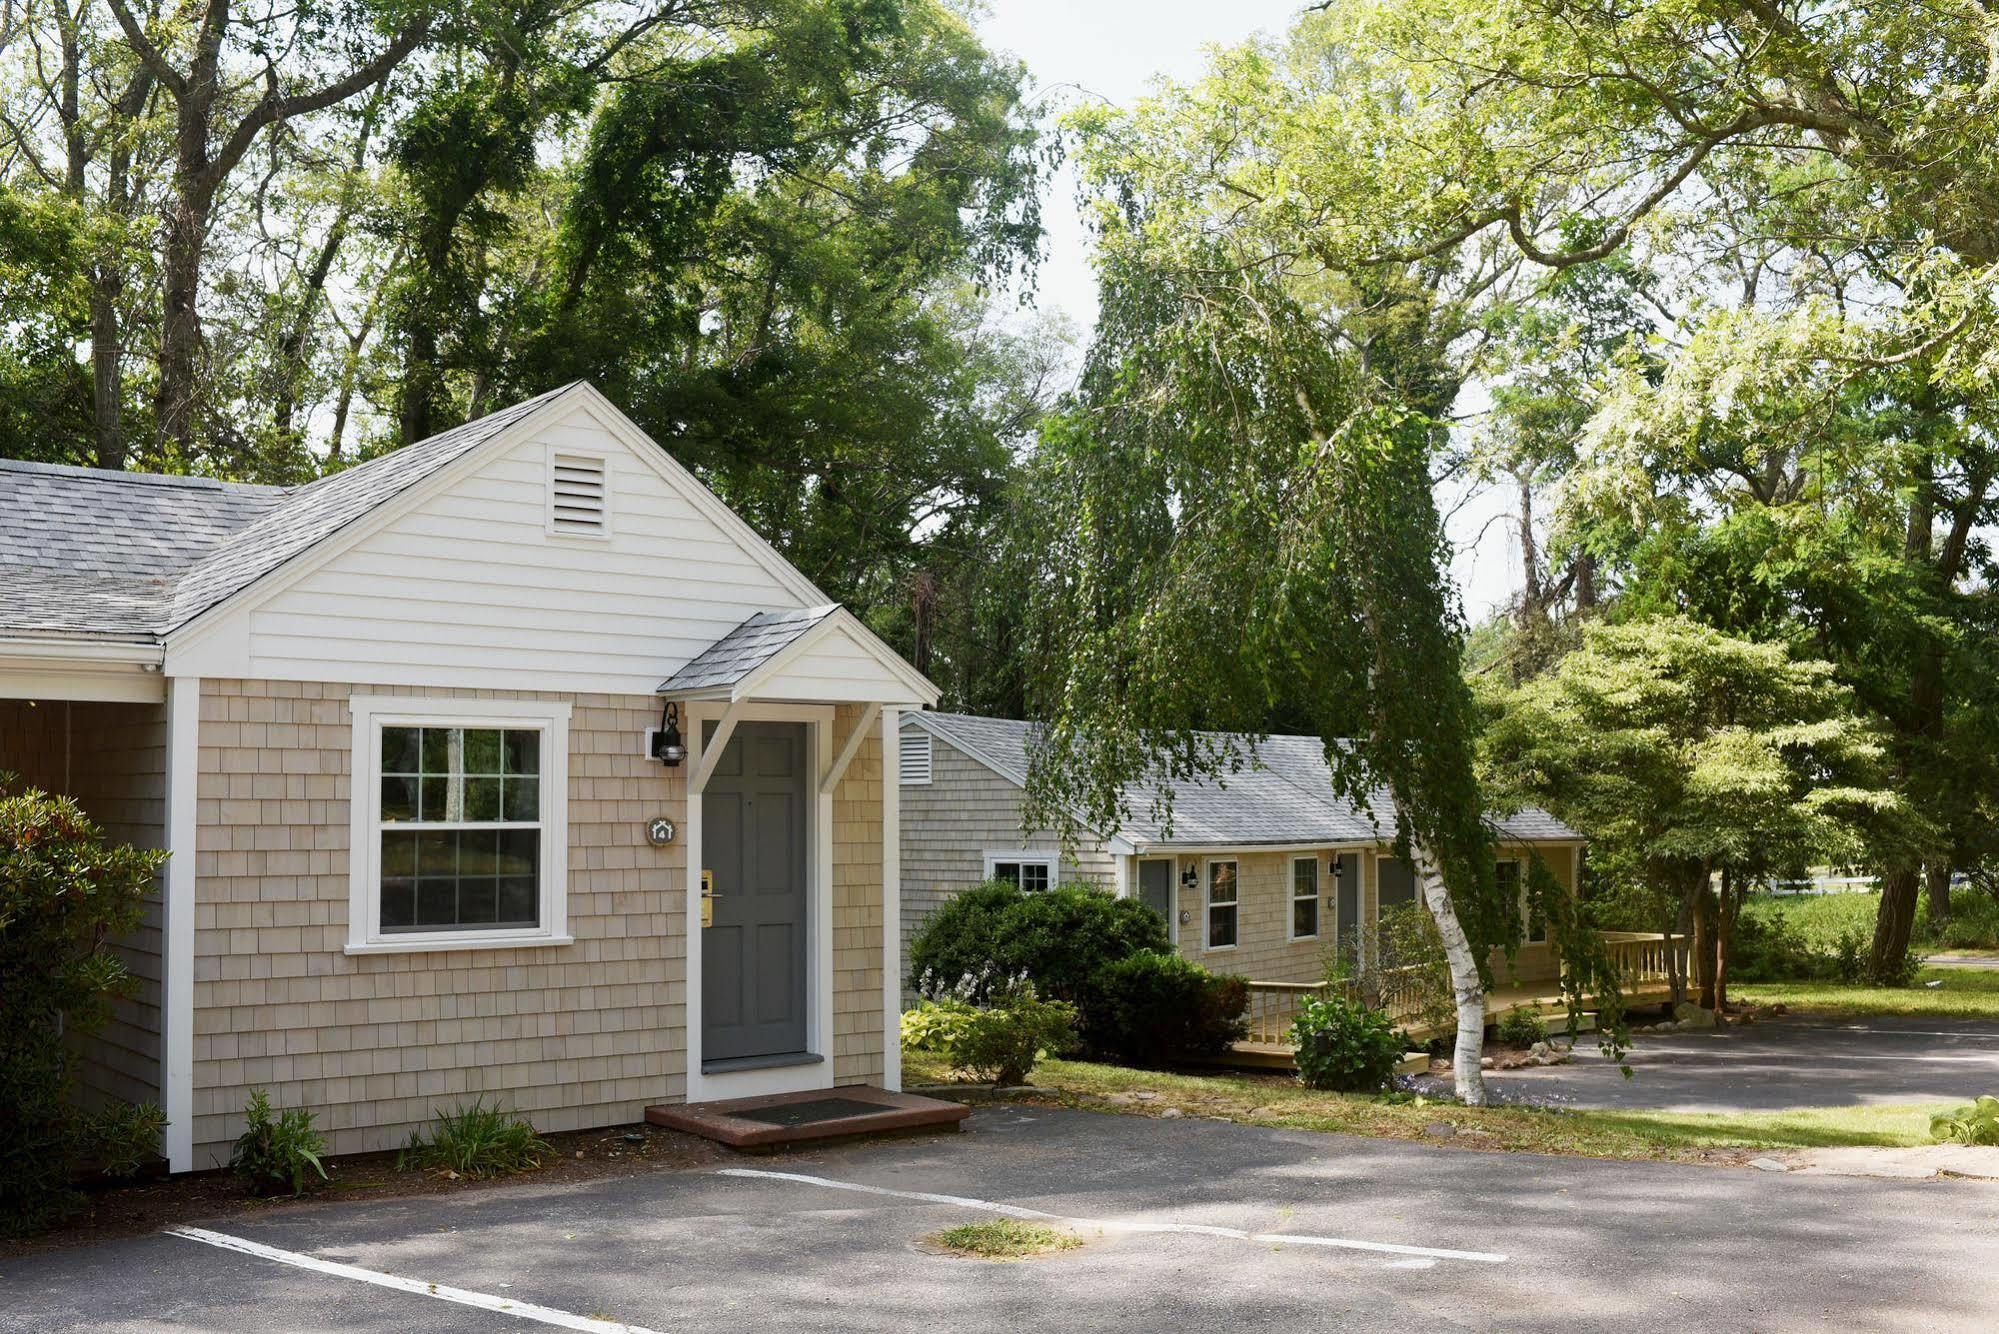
x=667 y=747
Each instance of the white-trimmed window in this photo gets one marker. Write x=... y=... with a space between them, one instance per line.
x=460 y=829
x=1305 y=898
x=1223 y=906
x=1032 y=871
x=1534 y=927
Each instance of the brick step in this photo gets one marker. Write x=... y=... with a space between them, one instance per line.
x=776 y=1120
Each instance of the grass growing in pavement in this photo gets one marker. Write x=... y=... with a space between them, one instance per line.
x=1271 y=1101
x=1004 y=1239
x=1960 y=993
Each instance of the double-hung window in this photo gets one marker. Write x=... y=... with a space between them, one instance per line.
x=1223 y=905
x=1304 y=898
x=459 y=824
x=1031 y=872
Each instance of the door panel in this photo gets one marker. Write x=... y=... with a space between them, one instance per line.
x=1155 y=890
x=753 y=957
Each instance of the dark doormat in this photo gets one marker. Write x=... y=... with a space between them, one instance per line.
x=804 y=1113
x=775 y=1120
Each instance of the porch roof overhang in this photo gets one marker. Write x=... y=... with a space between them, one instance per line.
x=81 y=668
x=815 y=655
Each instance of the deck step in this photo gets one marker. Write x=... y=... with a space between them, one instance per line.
x=775 y=1120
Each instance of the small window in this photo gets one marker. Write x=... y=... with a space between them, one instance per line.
x=915 y=759
x=458 y=824
x=1304 y=898
x=578 y=494
x=1514 y=885
x=1033 y=874
x=1222 y=905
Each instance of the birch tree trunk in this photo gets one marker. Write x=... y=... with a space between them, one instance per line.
x=1467 y=1074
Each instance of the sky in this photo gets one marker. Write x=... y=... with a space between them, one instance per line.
x=1112 y=50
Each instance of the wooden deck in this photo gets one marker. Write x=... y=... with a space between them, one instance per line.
x=1641 y=958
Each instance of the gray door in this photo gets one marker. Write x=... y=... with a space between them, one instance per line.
x=1155 y=890
x=753 y=992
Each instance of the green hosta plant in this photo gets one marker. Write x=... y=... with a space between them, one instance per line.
x=931 y=1025
x=1000 y=1043
x=1976 y=1123
x=475 y=1141
x=276 y=1151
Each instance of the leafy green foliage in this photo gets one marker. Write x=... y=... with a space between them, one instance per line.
x=65 y=894
x=1005 y=1239
x=931 y=1025
x=1521 y=1027
x=1163 y=1007
x=1344 y=1045
x=476 y=1141
x=1061 y=940
x=1398 y=955
x=1977 y=1123
x=1000 y=1041
x=276 y=1151
x=124 y=1138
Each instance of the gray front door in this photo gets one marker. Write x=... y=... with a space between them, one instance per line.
x=1155 y=890
x=753 y=991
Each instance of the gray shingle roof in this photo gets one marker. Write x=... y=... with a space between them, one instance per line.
x=744 y=649
x=1285 y=798
x=131 y=556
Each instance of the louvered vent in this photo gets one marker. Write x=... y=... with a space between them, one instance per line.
x=578 y=495
x=915 y=758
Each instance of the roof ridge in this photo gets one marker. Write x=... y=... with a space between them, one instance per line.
x=135 y=478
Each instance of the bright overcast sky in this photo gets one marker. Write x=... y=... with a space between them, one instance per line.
x=1112 y=50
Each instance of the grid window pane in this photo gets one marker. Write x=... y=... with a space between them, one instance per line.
x=1007 y=871
x=1034 y=876
x=484 y=871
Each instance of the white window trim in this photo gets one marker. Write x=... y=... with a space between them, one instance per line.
x=1292 y=900
x=364 y=901
x=1208 y=905
x=1052 y=860
x=549 y=526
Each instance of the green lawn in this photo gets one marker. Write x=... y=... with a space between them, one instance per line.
x=1821 y=918
x=1961 y=993
x=1278 y=1101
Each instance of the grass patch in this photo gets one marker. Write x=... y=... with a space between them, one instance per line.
x=475 y=1141
x=1822 y=918
x=1960 y=993
x=1004 y=1239
x=1278 y=1101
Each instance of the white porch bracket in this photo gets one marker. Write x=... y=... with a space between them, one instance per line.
x=836 y=770
x=711 y=751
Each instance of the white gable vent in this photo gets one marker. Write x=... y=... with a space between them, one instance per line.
x=915 y=758
x=579 y=494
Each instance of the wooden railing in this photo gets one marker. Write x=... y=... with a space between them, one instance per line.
x=1640 y=957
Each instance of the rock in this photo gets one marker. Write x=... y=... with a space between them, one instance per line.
x=1440 y=1130
x=1171 y=1114
x=1768 y=1165
x=1146 y=1096
x=1121 y=1099
x=1692 y=1017
x=1538 y=1049
x=1486 y=1063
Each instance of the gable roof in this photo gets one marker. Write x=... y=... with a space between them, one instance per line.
x=1285 y=798
x=727 y=661
x=757 y=652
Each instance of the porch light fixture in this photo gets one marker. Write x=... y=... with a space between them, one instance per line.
x=1190 y=877
x=667 y=746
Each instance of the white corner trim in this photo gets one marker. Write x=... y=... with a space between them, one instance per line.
x=373 y=712
x=177 y=989
x=891 y=747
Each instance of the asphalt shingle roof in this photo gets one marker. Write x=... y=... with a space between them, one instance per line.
x=1285 y=798
x=744 y=649
x=131 y=556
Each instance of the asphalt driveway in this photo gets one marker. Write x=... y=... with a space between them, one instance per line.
x=1189 y=1225
x=1795 y=1061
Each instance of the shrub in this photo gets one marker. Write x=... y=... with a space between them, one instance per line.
x=1399 y=957
x=1975 y=1124
x=64 y=894
x=1001 y=1042
x=1521 y=1027
x=475 y=1141
x=273 y=1153
x=1160 y=1007
x=1344 y=1045
x=1060 y=940
x=125 y=1138
x=1973 y=923
x=931 y=1025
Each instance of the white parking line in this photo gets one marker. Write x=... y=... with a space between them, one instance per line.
x=1117 y=1224
x=484 y=1301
